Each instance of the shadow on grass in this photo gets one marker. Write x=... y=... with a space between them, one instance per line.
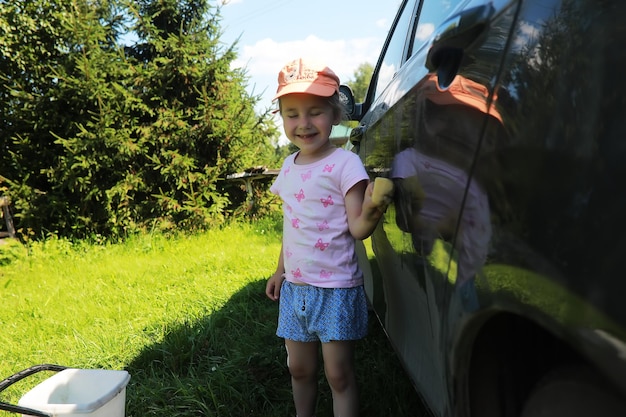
x=231 y=364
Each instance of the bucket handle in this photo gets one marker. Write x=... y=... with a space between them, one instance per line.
x=18 y=377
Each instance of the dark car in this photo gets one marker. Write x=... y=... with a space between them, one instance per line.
x=499 y=270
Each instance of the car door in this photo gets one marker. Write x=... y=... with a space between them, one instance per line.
x=427 y=110
x=556 y=185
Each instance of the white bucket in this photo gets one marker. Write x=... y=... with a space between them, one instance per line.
x=80 y=393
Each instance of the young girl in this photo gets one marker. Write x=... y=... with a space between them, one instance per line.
x=327 y=204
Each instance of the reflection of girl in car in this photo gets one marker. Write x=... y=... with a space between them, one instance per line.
x=432 y=175
x=434 y=190
x=327 y=204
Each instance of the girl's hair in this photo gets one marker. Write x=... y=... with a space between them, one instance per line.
x=339 y=109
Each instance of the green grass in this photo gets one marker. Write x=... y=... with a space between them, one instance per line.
x=185 y=315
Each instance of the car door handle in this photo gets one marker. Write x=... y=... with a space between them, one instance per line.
x=457 y=34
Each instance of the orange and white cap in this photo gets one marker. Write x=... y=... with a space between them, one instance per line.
x=462 y=91
x=302 y=76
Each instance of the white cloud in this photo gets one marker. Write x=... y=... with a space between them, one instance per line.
x=266 y=57
x=424 y=30
x=382 y=23
x=527 y=33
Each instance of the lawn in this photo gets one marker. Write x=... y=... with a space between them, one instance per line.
x=185 y=315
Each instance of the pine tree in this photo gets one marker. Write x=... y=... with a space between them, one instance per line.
x=106 y=139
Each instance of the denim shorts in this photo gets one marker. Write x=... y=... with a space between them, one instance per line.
x=310 y=314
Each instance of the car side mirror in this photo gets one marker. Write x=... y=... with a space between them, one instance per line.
x=346 y=96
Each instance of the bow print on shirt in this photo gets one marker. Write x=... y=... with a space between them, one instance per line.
x=306 y=176
x=327 y=201
x=300 y=195
x=321 y=245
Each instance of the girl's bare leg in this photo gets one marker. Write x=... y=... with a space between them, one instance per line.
x=339 y=368
x=303 y=363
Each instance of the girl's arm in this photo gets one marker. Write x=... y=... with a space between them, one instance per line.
x=363 y=213
x=272 y=288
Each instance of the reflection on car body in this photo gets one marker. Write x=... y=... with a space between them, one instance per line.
x=497 y=274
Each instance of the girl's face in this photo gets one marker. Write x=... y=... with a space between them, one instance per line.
x=308 y=120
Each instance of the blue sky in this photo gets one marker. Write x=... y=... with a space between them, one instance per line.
x=341 y=33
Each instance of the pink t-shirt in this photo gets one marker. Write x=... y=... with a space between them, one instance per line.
x=318 y=248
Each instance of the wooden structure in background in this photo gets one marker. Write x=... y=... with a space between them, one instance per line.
x=8 y=220
x=252 y=174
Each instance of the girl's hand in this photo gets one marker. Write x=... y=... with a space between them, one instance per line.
x=382 y=192
x=272 y=289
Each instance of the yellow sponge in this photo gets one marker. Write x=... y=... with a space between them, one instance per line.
x=382 y=193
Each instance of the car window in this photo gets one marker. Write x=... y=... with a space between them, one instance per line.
x=431 y=15
x=394 y=52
